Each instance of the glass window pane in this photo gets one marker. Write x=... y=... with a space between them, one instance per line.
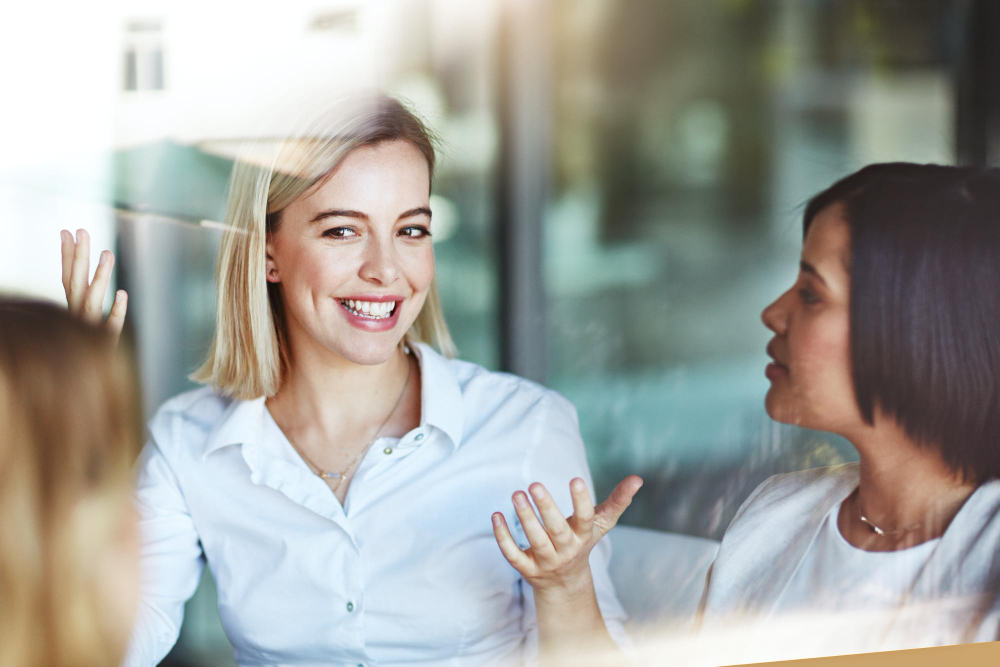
x=689 y=135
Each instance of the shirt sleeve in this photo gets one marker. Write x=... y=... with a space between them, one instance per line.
x=557 y=455
x=171 y=559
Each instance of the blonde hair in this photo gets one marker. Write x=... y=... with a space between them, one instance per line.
x=249 y=352
x=70 y=427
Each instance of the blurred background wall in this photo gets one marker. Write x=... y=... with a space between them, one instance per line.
x=619 y=196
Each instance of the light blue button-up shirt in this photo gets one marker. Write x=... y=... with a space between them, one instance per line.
x=406 y=571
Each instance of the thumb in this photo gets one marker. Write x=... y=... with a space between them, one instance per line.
x=607 y=513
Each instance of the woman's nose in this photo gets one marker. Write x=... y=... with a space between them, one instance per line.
x=775 y=316
x=379 y=265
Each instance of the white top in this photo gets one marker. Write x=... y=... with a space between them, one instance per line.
x=786 y=584
x=846 y=594
x=407 y=571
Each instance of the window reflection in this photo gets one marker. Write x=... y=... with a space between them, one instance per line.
x=689 y=134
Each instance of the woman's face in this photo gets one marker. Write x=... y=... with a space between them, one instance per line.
x=353 y=256
x=811 y=382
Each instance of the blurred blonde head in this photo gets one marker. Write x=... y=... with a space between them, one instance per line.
x=249 y=352
x=70 y=426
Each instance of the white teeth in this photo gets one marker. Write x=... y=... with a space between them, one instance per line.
x=373 y=309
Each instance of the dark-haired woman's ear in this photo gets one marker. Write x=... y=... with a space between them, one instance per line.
x=84 y=296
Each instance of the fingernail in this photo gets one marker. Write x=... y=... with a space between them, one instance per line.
x=103 y=259
x=496 y=519
x=536 y=490
x=577 y=484
x=520 y=499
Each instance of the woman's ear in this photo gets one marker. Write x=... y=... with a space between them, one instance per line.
x=272 y=268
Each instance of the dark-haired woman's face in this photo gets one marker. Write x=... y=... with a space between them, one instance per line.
x=810 y=374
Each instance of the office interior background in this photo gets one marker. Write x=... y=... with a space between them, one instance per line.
x=619 y=194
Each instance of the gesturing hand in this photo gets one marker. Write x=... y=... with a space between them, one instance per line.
x=86 y=299
x=558 y=559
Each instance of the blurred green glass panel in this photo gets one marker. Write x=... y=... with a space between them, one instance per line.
x=689 y=134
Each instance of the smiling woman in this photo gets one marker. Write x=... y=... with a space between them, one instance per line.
x=367 y=132
x=338 y=472
x=376 y=255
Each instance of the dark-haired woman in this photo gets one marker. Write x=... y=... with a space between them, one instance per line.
x=890 y=337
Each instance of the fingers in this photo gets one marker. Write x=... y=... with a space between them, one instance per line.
x=519 y=560
x=67 y=246
x=541 y=545
x=608 y=512
x=116 y=320
x=79 y=272
x=583 y=508
x=86 y=298
x=556 y=526
x=93 y=302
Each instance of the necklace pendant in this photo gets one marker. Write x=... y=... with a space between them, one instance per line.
x=330 y=475
x=875 y=529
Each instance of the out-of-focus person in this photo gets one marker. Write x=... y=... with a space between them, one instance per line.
x=70 y=429
x=889 y=337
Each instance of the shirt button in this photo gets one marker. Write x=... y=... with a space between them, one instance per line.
x=350 y=606
x=420 y=436
x=387 y=450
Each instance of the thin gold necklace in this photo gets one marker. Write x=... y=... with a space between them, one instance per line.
x=342 y=475
x=882 y=532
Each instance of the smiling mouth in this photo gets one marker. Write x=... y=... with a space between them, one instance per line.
x=371 y=310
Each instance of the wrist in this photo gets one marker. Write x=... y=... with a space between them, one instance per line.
x=567 y=589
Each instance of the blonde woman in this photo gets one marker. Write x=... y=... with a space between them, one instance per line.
x=338 y=471
x=70 y=428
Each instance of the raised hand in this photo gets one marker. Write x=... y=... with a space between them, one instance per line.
x=558 y=559
x=86 y=298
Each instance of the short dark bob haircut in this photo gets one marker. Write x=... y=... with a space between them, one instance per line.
x=925 y=304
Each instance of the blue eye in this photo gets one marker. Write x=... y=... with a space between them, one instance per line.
x=340 y=232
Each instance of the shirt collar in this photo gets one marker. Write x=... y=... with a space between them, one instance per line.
x=441 y=404
x=440 y=398
x=241 y=423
